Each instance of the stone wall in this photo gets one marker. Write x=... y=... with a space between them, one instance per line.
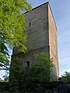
x=38 y=31
x=53 y=49
x=37 y=40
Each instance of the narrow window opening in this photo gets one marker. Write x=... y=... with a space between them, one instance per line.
x=28 y=64
x=30 y=24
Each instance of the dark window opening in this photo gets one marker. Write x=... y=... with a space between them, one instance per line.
x=29 y=24
x=28 y=64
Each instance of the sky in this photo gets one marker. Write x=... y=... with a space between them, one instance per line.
x=61 y=13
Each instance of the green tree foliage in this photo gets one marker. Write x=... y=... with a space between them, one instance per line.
x=42 y=68
x=15 y=73
x=12 y=26
x=39 y=74
x=66 y=77
x=3 y=54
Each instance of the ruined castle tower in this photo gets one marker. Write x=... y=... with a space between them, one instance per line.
x=42 y=37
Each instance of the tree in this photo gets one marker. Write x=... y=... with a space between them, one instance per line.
x=3 y=54
x=42 y=68
x=39 y=74
x=66 y=77
x=12 y=26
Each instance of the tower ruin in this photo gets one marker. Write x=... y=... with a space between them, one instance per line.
x=42 y=37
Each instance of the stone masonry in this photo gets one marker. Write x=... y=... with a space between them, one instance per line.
x=42 y=37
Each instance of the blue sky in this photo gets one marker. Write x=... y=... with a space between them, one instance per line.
x=61 y=12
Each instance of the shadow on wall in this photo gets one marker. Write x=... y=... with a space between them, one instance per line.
x=54 y=73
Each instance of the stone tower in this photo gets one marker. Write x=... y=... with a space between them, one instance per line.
x=42 y=37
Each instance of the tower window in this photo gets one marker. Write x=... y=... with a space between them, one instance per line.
x=30 y=24
x=28 y=64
